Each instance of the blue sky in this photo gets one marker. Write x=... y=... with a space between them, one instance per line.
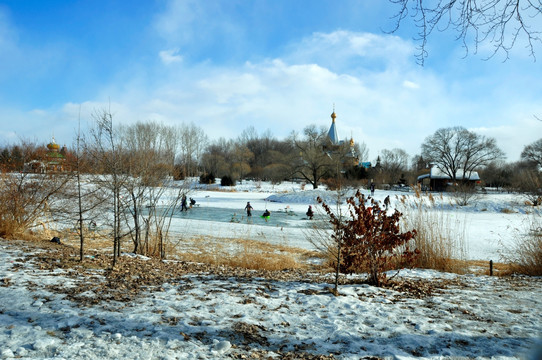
x=276 y=65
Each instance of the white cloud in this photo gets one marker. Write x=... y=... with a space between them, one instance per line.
x=170 y=56
x=350 y=51
x=410 y=85
x=369 y=78
x=522 y=130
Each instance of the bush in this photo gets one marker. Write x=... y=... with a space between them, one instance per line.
x=332 y=184
x=369 y=240
x=25 y=201
x=226 y=180
x=465 y=194
x=207 y=179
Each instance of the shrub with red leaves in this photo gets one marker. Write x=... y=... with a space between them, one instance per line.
x=369 y=240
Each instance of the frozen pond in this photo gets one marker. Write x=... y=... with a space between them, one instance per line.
x=488 y=226
x=279 y=218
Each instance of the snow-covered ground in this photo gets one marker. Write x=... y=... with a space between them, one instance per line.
x=206 y=316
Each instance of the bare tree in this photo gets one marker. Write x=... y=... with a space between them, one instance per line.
x=313 y=163
x=216 y=158
x=26 y=199
x=105 y=149
x=529 y=179
x=271 y=159
x=89 y=198
x=151 y=199
x=497 y=174
x=455 y=148
x=241 y=157
x=533 y=153
x=500 y=23
x=418 y=163
x=362 y=151
x=150 y=161
x=394 y=163
x=191 y=142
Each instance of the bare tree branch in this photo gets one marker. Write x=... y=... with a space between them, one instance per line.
x=500 y=23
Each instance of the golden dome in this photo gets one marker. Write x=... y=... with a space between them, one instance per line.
x=53 y=146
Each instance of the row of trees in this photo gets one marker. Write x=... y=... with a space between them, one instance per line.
x=308 y=156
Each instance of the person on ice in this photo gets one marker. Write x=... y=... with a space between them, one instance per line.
x=310 y=213
x=266 y=214
x=386 y=202
x=192 y=202
x=249 y=208
x=183 y=204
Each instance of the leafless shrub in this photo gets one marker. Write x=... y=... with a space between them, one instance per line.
x=465 y=194
x=25 y=200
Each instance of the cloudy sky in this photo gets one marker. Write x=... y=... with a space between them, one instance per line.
x=276 y=65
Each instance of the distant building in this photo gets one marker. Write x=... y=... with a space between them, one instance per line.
x=55 y=159
x=334 y=145
x=437 y=180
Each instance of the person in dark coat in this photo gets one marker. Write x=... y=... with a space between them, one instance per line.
x=249 y=208
x=310 y=213
x=183 y=204
x=266 y=214
x=386 y=202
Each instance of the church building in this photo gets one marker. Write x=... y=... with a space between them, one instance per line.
x=334 y=145
x=54 y=160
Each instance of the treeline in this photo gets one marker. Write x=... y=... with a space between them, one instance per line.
x=186 y=151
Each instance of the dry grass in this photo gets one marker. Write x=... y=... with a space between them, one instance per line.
x=482 y=267
x=234 y=252
x=440 y=239
x=525 y=254
x=245 y=253
x=507 y=211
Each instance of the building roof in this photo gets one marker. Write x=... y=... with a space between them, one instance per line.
x=436 y=173
x=332 y=133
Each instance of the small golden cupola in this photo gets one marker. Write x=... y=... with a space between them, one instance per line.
x=53 y=146
x=55 y=158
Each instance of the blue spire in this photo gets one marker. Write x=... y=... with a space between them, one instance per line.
x=332 y=133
